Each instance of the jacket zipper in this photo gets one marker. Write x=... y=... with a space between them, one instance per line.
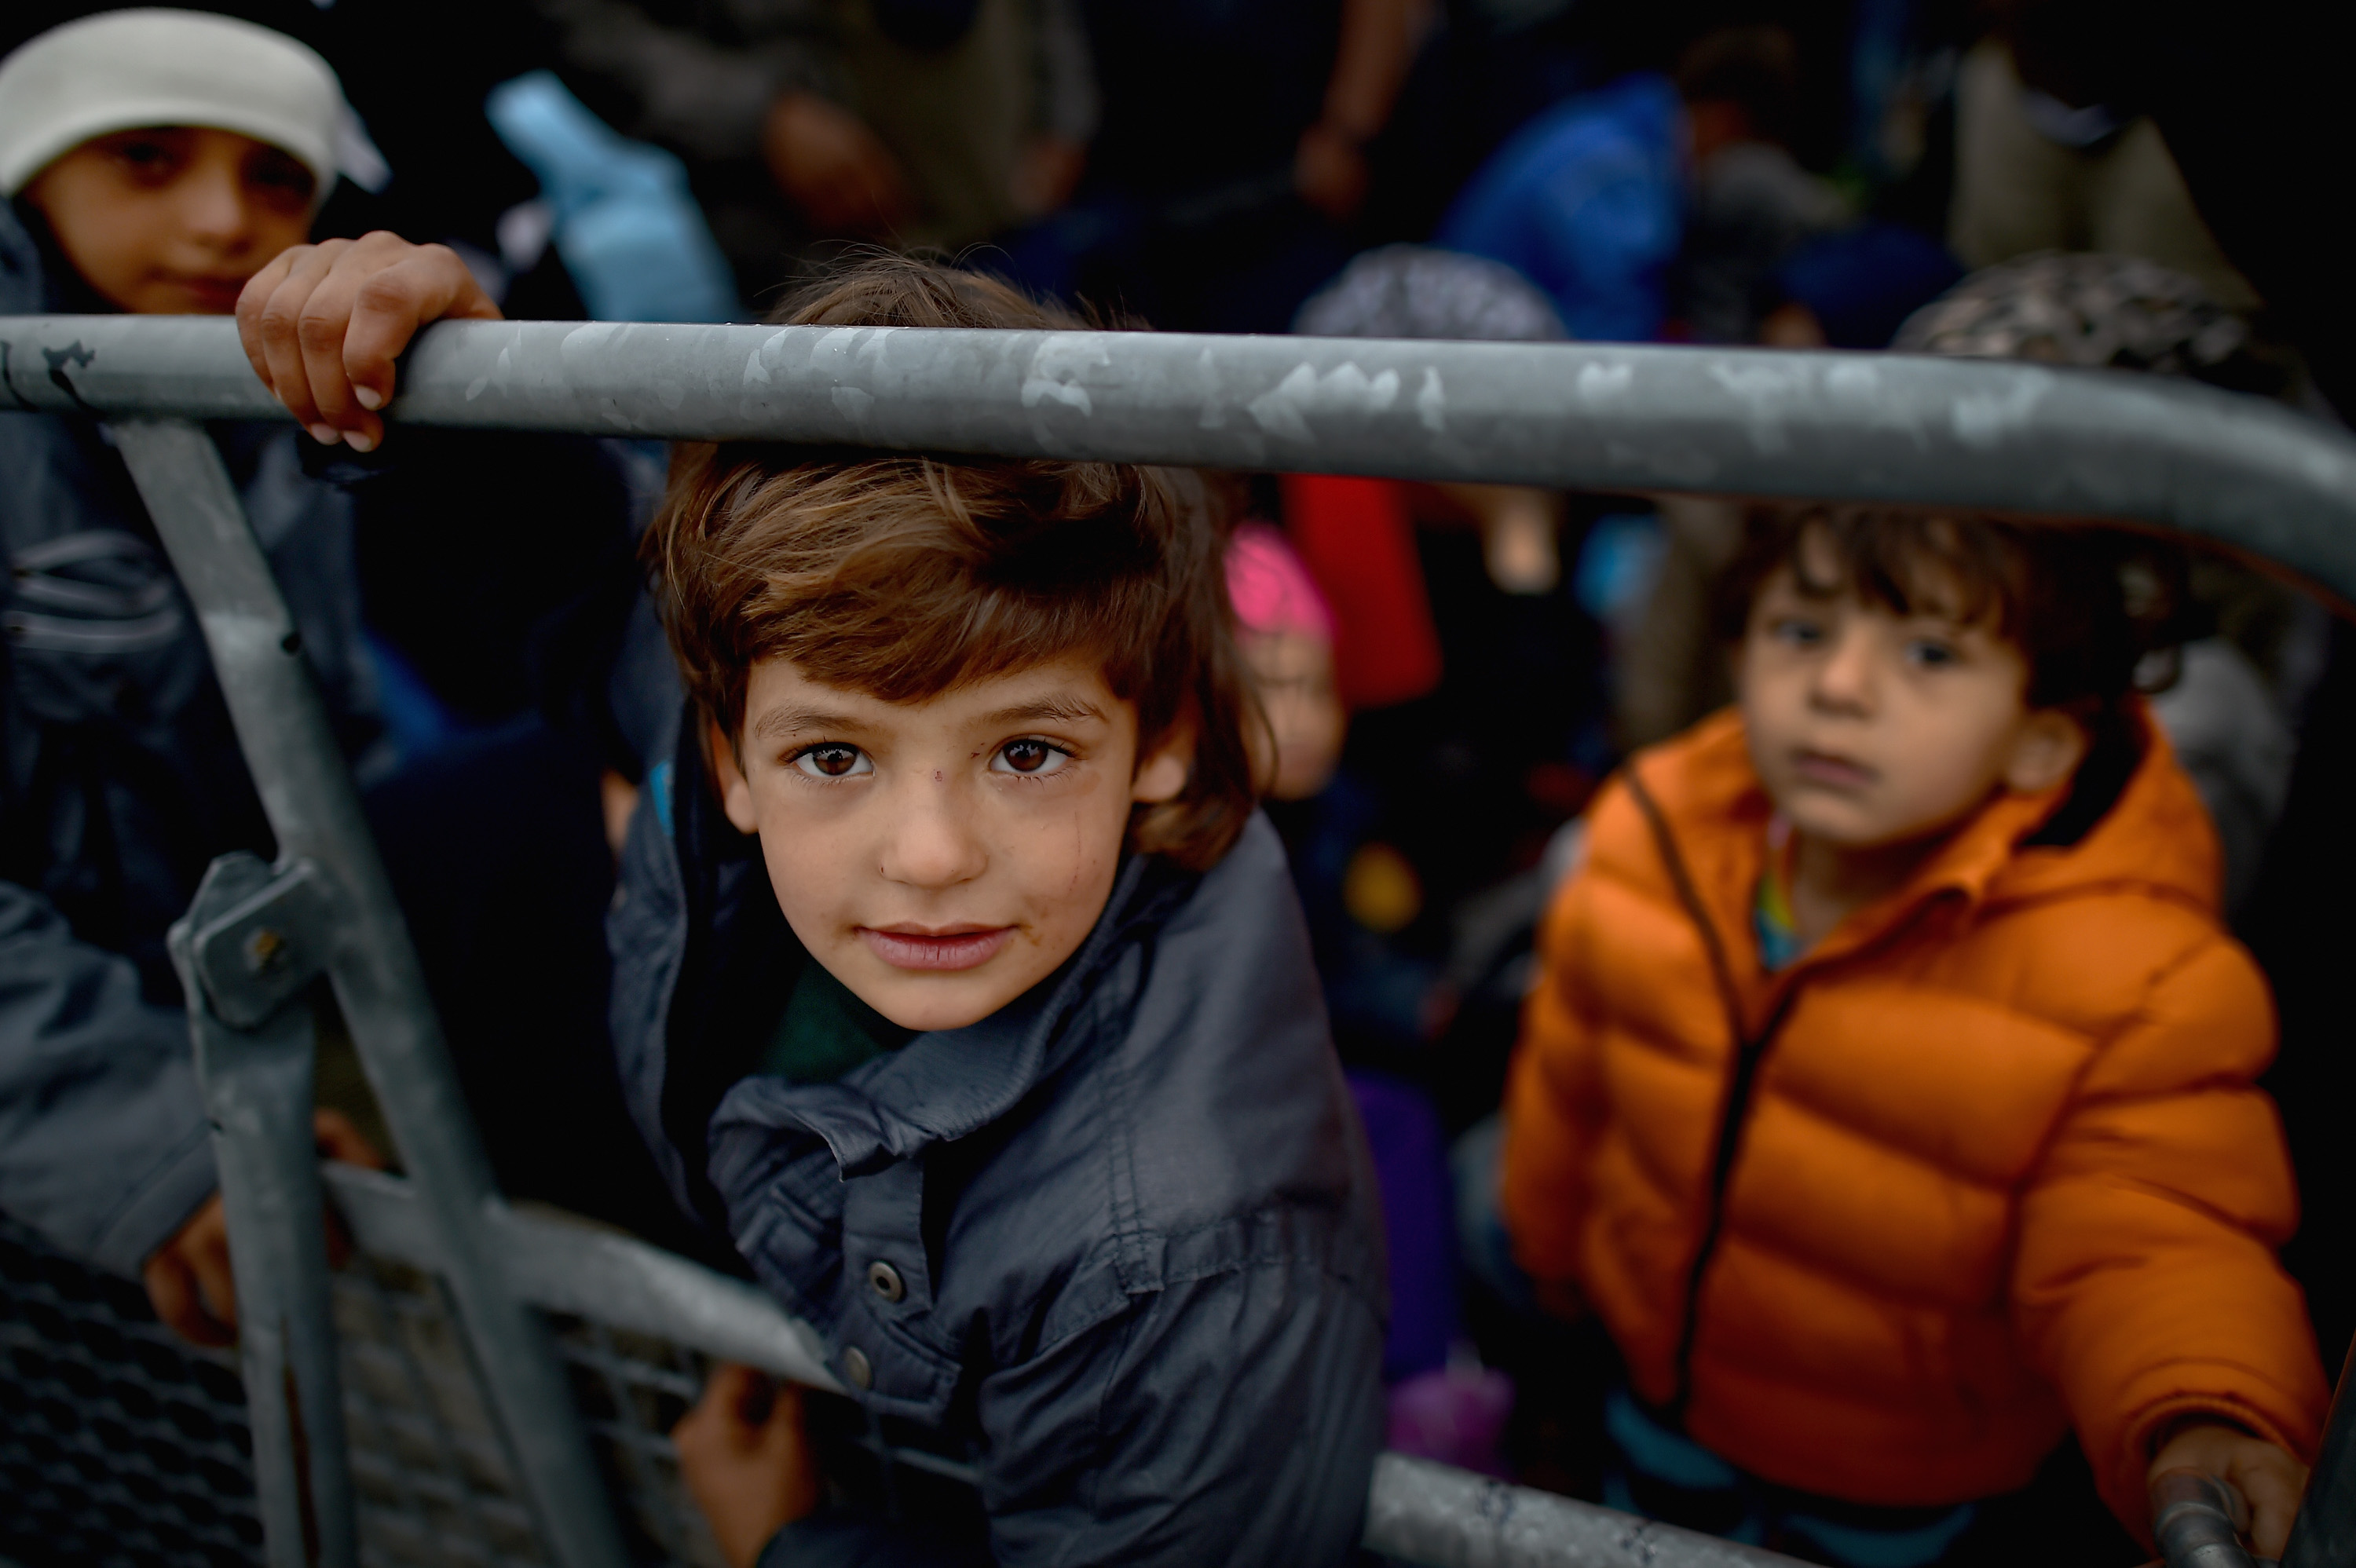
x=1748 y=1054
x=1749 y=1050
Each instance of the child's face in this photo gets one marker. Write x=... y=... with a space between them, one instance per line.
x=172 y=221
x=941 y=857
x=1294 y=676
x=1871 y=729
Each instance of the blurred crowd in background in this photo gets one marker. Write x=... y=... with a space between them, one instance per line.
x=1451 y=670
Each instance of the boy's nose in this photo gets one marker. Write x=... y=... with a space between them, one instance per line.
x=932 y=843
x=213 y=207
x=1845 y=677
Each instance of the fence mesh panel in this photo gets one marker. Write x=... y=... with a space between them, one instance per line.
x=119 y=1446
x=123 y=1447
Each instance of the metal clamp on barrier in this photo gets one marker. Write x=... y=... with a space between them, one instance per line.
x=248 y=951
x=257 y=940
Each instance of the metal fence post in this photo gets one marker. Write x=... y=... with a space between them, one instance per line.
x=246 y=952
x=314 y=812
x=2324 y=1536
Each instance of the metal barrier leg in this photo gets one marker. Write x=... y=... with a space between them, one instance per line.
x=315 y=812
x=2325 y=1533
x=241 y=951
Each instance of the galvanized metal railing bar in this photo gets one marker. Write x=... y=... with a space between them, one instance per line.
x=315 y=812
x=561 y=1265
x=2009 y=436
x=1446 y=1518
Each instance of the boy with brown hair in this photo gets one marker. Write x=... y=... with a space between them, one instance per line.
x=1888 y=1089
x=959 y=983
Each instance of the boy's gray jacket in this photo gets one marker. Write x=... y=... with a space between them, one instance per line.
x=1119 y=1242
x=119 y=781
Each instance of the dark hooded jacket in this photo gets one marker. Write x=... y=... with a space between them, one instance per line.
x=120 y=780
x=1116 y=1245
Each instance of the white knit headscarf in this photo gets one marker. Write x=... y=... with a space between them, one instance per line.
x=122 y=70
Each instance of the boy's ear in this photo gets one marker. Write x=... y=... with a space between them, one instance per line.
x=2046 y=752
x=735 y=795
x=1163 y=772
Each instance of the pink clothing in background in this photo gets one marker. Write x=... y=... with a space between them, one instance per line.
x=1273 y=592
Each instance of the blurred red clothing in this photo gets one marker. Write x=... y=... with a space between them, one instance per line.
x=1358 y=543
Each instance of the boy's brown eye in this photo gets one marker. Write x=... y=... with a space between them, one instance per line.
x=1032 y=757
x=149 y=157
x=281 y=177
x=832 y=762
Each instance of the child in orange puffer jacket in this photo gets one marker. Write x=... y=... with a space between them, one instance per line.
x=1888 y=1091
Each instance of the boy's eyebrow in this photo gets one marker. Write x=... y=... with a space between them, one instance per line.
x=1049 y=709
x=779 y=722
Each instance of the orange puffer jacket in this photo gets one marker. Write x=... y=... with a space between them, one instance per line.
x=1987 y=1162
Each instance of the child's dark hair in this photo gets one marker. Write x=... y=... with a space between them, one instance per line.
x=901 y=576
x=1755 y=67
x=2084 y=605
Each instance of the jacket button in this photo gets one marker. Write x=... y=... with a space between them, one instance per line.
x=855 y=1366
x=886 y=1280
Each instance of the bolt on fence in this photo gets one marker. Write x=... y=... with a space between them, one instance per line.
x=469 y=1389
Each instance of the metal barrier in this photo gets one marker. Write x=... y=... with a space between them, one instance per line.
x=483 y=1383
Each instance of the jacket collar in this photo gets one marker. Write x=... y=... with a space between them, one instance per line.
x=1717 y=811
x=947 y=1083
x=34 y=276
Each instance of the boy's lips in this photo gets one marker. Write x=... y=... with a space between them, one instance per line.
x=947 y=947
x=1832 y=772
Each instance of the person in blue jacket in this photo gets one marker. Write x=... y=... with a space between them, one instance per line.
x=120 y=778
x=1655 y=207
x=1587 y=201
x=153 y=161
